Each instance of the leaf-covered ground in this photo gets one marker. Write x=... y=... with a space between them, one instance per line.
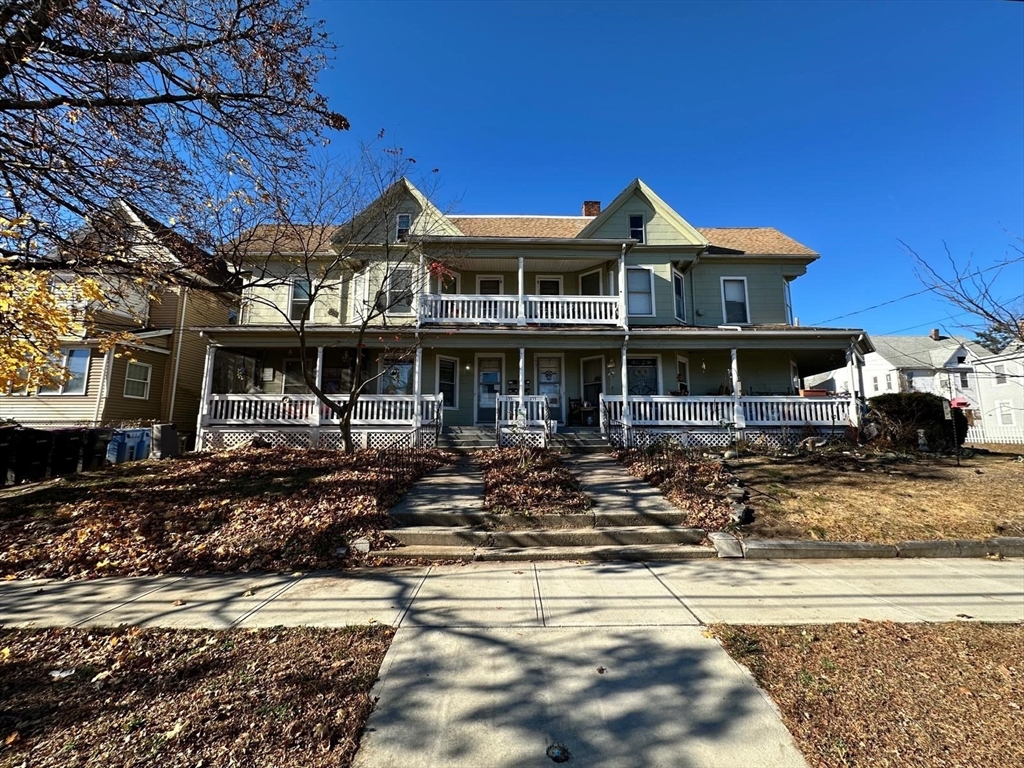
x=128 y=697
x=893 y=695
x=529 y=481
x=257 y=509
x=695 y=485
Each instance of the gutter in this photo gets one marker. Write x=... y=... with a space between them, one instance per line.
x=101 y=396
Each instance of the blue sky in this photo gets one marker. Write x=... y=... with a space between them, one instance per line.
x=847 y=125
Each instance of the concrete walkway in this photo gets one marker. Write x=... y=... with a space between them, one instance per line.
x=495 y=664
x=613 y=489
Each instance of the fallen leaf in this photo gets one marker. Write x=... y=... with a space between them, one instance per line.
x=12 y=738
x=601 y=670
x=179 y=602
x=966 y=691
x=173 y=733
x=60 y=674
x=963 y=616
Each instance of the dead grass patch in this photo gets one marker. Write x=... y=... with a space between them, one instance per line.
x=885 y=694
x=838 y=497
x=257 y=509
x=529 y=481
x=104 y=697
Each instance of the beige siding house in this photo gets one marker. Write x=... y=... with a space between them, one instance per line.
x=625 y=320
x=155 y=376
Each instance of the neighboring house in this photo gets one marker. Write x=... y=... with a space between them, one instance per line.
x=1000 y=382
x=156 y=374
x=545 y=323
x=934 y=363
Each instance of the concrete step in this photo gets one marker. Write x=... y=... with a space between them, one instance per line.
x=441 y=536
x=592 y=519
x=635 y=553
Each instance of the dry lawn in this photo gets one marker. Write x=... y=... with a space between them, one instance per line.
x=836 y=497
x=893 y=695
x=121 y=697
x=257 y=509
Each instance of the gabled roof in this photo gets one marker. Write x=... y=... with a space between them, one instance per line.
x=663 y=209
x=520 y=226
x=758 y=240
x=920 y=351
x=430 y=221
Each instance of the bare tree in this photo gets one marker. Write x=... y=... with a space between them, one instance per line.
x=286 y=243
x=992 y=295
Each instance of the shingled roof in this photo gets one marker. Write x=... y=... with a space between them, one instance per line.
x=767 y=240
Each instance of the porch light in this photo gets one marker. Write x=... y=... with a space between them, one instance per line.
x=468 y=366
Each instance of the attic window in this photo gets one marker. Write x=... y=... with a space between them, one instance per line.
x=636 y=227
x=403 y=226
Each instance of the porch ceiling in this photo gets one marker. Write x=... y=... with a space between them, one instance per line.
x=531 y=264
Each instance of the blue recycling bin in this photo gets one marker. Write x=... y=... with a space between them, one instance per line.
x=129 y=445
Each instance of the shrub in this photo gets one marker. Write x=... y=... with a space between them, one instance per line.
x=900 y=415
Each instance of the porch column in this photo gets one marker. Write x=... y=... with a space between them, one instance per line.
x=417 y=389
x=737 y=390
x=627 y=417
x=421 y=285
x=318 y=374
x=854 y=413
x=521 y=308
x=319 y=367
x=623 y=317
x=522 y=379
x=204 y=403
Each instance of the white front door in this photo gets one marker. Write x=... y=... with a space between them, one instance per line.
x=549 y=384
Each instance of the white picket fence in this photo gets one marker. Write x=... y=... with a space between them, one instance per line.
x=981 y=434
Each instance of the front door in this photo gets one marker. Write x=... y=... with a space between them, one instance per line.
x=549 y=384
x=488 y=388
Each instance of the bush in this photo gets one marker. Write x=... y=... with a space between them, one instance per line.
x=900 y=416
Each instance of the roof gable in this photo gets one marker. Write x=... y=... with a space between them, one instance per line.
x=636 y=189
x=400 y=197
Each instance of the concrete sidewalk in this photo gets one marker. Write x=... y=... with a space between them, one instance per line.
x=495 y=664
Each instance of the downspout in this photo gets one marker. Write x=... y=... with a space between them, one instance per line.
x=693 y=295
x=177 y=354
x=101 y=396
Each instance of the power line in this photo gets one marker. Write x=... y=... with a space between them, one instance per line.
x=917 y=293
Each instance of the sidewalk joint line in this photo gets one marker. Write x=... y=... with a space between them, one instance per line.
x=408 y=606
x=671 y=592
x=539 y=603
x=127 y=602
x=841 y=580
x=263 y=604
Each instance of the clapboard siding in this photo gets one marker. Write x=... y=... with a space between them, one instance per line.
x=57 y=410
x=118 y=408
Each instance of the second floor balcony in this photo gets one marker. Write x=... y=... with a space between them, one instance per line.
x=476 y=309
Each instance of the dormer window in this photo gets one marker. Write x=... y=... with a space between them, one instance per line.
x=636 y=227
x=404 y=224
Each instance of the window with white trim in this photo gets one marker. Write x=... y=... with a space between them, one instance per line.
x=874 y=382
x=403 y=224
x=549 y=286
x=300 y=291
x=636 y=227
x=1000 y=372
x=734 y=300
x=448 y=380
x=399 y=291
x=75 y=361
x=489 y=285
x=397 y=378
x=679 y=295
x=888 y=382
x=590 y=283
x=136 y=380
x=640 y=291
x=964 y=382
x=1004 y=411
x=448 y=284
x=682 y=375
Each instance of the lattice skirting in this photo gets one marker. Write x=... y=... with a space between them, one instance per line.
x=217 y=439
x=519 y=438
x=767 y=438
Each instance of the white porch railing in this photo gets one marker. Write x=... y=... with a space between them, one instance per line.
x=577 y=310
x=504 y=309
x=746 y=411
x=534 y=416
x=452 y=308
x=308 y=410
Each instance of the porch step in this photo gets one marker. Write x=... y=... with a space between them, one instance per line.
x=579 y=441
x=634 y=553
x=467 y=438
x=442 y=536
x=491 y=520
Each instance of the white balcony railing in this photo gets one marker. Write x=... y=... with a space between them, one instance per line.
x=720 y=411
x=307 y=410
x=477 y=310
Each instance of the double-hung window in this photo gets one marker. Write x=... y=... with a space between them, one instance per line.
x=76 y=362
x=640 y=291
x=679 y=295
x=1000 y=371
x=402 y=225
x=964 y=383
x=136 y=380
x=397 y=378
x=448 y=381
x=1004 y=410
x=734 y=300
x=299 y=299
x=636 y=227
x=399 y=297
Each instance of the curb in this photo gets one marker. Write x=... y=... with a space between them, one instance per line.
x=728 y=546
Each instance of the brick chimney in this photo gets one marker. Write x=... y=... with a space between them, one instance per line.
x=935 y=335
x=591 y=207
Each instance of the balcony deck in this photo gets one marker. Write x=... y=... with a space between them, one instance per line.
x=505 y=310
